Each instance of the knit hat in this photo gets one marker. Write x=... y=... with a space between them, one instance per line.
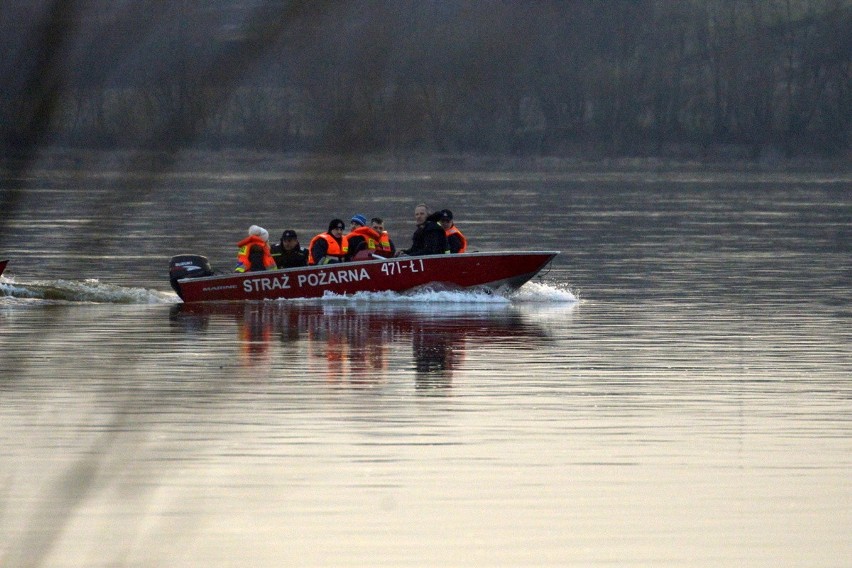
x=336 y=223
x=446 y=215
x=255 y=231
x=289 y=234
x=360 y=219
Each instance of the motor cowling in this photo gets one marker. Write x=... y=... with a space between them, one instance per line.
x=188 y=266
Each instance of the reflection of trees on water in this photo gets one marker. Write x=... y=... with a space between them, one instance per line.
x=357 y=346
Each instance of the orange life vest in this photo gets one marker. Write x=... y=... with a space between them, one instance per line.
x=454 y=231
x=383 y=247
x=335 y=249
x=243 y=261
x=371 y=237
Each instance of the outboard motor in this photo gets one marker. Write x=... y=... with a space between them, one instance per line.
x=187 y=266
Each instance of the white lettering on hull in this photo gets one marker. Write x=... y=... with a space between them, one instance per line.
x=398 y=267
x=327 y=277
x=282 y=282
x=312 y=279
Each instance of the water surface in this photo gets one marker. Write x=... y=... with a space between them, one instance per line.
x=673 y=392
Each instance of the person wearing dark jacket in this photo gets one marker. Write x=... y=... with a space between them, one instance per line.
x=429 y=237
x=288 y=252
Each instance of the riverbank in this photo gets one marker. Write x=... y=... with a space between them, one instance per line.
x=240 y=160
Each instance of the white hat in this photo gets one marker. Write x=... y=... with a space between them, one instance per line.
x=256 y=231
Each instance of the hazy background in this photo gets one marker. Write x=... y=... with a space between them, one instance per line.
x=692 y=409
x=708 y=81
x=598 y=77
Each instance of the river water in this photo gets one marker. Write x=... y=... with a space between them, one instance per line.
x=674 y=391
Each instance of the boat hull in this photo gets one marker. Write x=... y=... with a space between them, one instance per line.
x=495 y=271
x=3 y=266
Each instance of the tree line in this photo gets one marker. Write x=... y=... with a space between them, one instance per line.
x=610 y=77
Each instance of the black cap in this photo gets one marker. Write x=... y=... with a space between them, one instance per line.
x=446 y=215
x=336 y=223
x=289 y=234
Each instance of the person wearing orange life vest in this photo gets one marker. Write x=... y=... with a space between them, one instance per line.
x=455 y=239
x=385 y=246
x=331 y=246
x=253 y=253
x=362 y=239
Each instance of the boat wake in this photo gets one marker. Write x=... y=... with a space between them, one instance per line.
x=545 y=293
x=531 y=292
x=86 y=291
x=94 y=291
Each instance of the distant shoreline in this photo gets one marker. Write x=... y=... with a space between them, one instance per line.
x=241 y=160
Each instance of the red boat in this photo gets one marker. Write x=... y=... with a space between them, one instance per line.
x=3 y=266
x=193 y=279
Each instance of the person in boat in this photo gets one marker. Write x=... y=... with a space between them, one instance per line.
x=362 y=239
x=429 y=237
x=385 y=246
x=288 y=252
x=253 y=253
x=455 y=239
x=331 y=246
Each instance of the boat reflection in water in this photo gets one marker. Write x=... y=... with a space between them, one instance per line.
x=360 y=344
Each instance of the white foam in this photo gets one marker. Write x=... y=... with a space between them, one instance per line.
x=91 y=291
x=94 y=291
x=417 y=298
x=531 y=292
x=546 y=293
